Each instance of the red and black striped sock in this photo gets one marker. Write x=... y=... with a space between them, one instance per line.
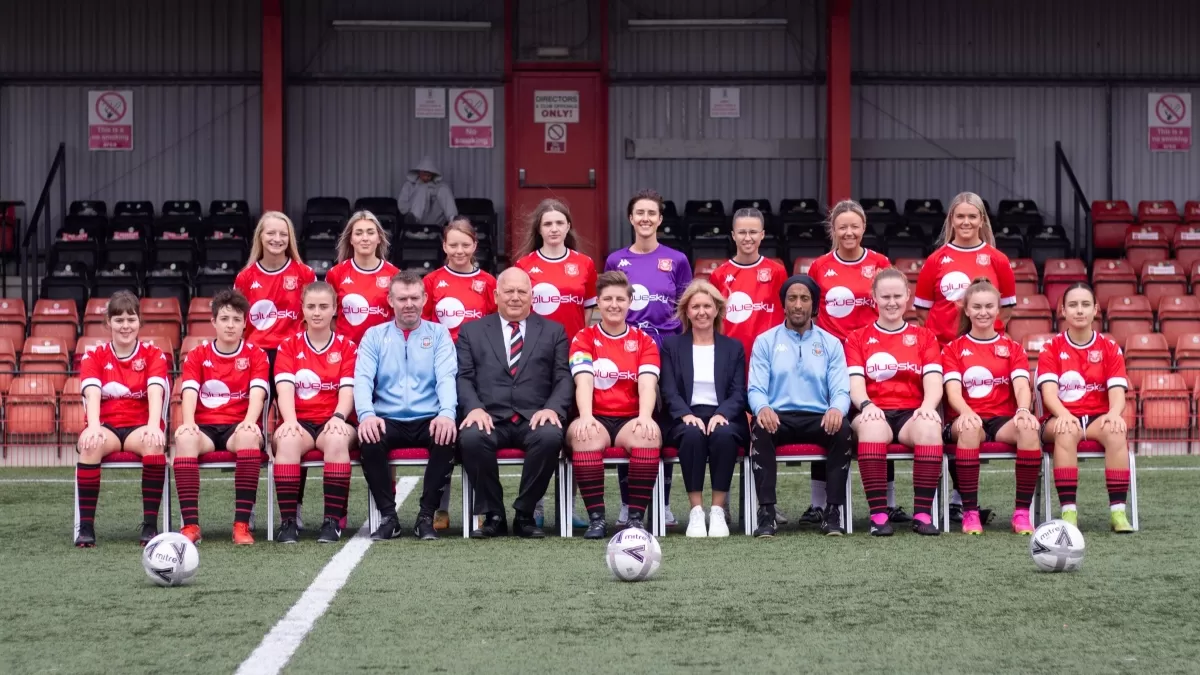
x=287 y=485
x=245 y=484
x=927 y=471
x=1066 y=481
x=872 y=466
x=643 y=474
x=187 y=484
x=337 y=489
x=1118 y=485
x=589 y=476
x=87 y=481
x=1029 y=464
x=968 y=477
x=154 y=471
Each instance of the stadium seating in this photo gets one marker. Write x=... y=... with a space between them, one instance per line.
x=1031 y=315
x=1129 y=316
x=1177 y=316
x=1187 y=359
x=1146 y=243
x=1110 y=221
x=1113 y=279
x=1161 y=279
x=1162 y=213
x=1146 y=355
x=1058 y=274
x=1047 y=243
x=1166 y=406
x=705 y=266
x=1022 y=214
x=927 y=214
x=1025 y=274
x=30 y=410
x=12 y=321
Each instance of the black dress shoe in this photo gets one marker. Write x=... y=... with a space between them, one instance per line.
x=494 y=525
x=526 y=528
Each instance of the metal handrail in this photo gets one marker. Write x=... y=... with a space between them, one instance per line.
x=31 y=245
x=1082 y=208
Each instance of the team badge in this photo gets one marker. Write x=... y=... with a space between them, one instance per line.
x=665 y=265
x=631 y=345
x=868 y=271
x=291 y=283
x=426 y=342
x=139 y=365
x=1002 y=351
x=477 y=285
x=764 y=276
x=335 y=357
x=242 y=364
x=571 y=269
x=381 y=282
x=817 y=351
x=910 y=340
x=1094 y=356
x=983 y=259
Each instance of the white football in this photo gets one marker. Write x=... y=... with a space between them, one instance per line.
x=170 y=559
x=633 y=555
x=1057 y=546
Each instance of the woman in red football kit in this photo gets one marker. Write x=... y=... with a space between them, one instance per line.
x=1081 y=376
x=314 y=375
x=361 y=276
x=896 y=385
x=459 y=291
x=616 y=368
x=272 y=281
x=988 y=390
x=124 y=385
x=564 y=280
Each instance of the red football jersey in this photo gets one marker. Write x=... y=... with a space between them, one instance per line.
x=1084 y=373
x=847 y=304
x=275 y=308
x=223 y=381
x=124 y=383
x=454 y=299
x=563 y=288
x=615 y=361
x=751 y=298
x=317 y=374
x=945 y=278
x=893 y=363
x=362 y=296
x=986 y=369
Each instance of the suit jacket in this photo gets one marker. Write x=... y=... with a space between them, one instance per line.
x=543 y=378
x=729 y=369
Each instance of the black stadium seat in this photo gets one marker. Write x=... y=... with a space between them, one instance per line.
x=881 y=214
x=384 y=208
x=905 y=240
x=230 y=218
x=169 y=280
x=323 y=214
x=128 y=234
x=67 y=282
x=1022 y=214
x=927 y=214
x=671 y=232
x=113 y=277
x=1050 y=241
x=210 y=279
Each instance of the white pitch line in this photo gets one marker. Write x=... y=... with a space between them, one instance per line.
x=278 y=646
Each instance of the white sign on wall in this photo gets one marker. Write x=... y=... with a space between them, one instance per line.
x=471 y=118
x=110 y=120
x=430 y=103
x=1170 y=119
x=555 y=106
x=724 y=102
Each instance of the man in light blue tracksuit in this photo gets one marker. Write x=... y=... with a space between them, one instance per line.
x=405 y=395
x=799 y=393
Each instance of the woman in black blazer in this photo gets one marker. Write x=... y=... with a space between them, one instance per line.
x=704 y=391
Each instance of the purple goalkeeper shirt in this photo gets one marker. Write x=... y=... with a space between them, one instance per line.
x=658 y=279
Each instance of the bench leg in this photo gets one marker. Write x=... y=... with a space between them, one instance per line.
x=1047 y=472
x=750 y=518
x=270 y=500
x=848 y=511
x=165 y=505
x=75 y=528
x=467 y=516
x=1133 y=500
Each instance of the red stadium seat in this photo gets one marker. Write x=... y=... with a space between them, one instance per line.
x=1186 y=245
x=1146 y=355
x=161 y=316
x=84 y=345
x=56 y=318
x=1026 y=275
x=1113 y=279
x=801 y=265
x=199 y=312
x=51 y=373
x=8 y=363
x=1033 y=344
x=911 y=267
x=71 y=417
x=29 y=410
x=45 y=349
x=1177 y=316
x=1162 y=213
x=12 y=321
x=96 y=330
x=189 y=343
x=1146 y=243
x=1059 y=273
x=175 y=413
x=96 y=312
x=1031 y=315
x=1187 y=358
x=705 y=266
x=1129 y=316
x=1110 y=220
x=1191 y=212
x=161 y=335
x=1166 y=405
x=1161 y=279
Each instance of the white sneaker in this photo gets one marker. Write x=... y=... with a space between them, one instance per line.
x=695 y=526
x=670 y=517
x=623 y=516
x=718 y=526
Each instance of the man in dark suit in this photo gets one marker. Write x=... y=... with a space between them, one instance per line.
x=515 y=386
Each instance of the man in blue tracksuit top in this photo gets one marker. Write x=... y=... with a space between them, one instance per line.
x=799 y=393
x=406 y=396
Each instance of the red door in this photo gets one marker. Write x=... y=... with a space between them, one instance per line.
x=557 y=149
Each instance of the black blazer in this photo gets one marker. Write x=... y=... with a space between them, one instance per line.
x=543 y=378
x=729 y=368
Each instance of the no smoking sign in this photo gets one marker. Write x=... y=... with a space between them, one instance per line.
x=556 y=138
x=110 y=120
x=1169 y=118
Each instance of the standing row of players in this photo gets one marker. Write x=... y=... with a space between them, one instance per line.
x=563 y=288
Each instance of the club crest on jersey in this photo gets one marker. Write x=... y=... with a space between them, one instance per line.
x=334 y=357
x=665 y=265
x=291 y=283
x=983 y=259
x=1094 y=356
x=242 y=364
x=571 y=269
x=868 y=271
x=139 y=365
x=426 y=342
x=764 y=276
x=381 y=282
x=910 y=340
x=1002 y=351
x=817 y=350
x=477 y=285
x=631 y=345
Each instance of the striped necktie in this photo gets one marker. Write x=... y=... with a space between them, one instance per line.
x=515 y=342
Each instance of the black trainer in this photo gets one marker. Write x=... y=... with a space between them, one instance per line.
x=813 y=516
x=896 y=514
x=831 y=521
x=149 y=531
x=597 y=528
x=925 y=529
x=87 y=536
x=637 y=521
x=494 y=525
x=423 y=528
x=985 y=516
x=766 y=523
x=289 y=533
x=881 y=529
x=330 y=532
x=388 y=529
x=956 y=513
x=526 y=528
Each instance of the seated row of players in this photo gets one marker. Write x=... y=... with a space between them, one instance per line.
x=563 y=292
